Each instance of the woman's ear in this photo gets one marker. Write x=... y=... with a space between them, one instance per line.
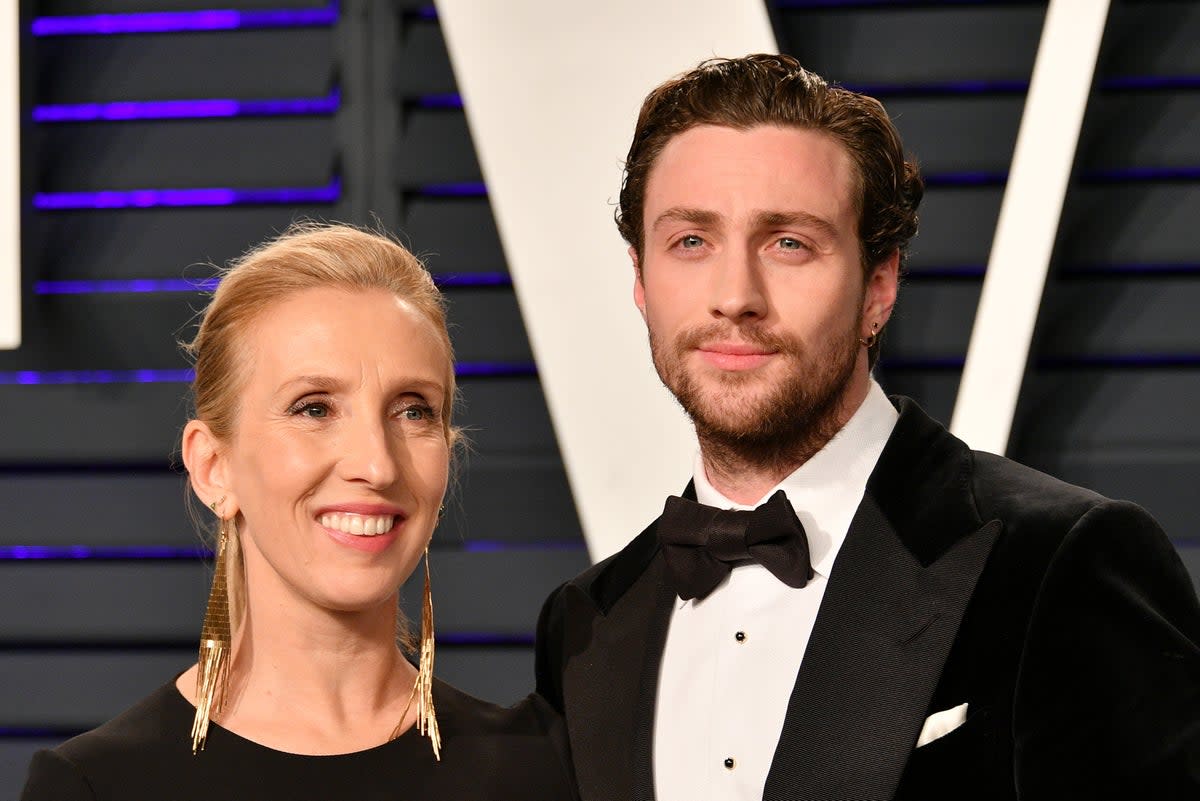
x=208 y=468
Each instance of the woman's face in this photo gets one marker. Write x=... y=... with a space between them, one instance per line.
x=339 y=458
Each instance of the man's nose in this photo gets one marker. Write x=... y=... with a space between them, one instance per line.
x=737 y=287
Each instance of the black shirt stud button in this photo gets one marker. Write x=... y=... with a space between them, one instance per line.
x=729 y=763
x=740 y=637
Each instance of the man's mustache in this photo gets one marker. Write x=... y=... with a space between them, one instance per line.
x=699 y=336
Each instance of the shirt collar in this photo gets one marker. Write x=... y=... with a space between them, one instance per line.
x=826 y=490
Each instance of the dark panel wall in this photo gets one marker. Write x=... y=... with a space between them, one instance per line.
x=92 y=464
x=89 y=469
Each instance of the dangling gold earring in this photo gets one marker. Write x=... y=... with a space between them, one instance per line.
x=422 y=689
x=215 y=642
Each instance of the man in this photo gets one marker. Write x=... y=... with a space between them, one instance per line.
x=899 y=617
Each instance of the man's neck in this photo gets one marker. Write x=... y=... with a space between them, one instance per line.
x=745 y=476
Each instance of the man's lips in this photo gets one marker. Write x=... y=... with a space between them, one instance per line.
x=735 y=355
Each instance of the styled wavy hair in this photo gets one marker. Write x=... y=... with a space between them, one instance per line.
x=764 y=89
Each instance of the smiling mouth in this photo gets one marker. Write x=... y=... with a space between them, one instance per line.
x=358 y=525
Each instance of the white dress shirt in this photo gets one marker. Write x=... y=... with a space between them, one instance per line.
x=730 y=661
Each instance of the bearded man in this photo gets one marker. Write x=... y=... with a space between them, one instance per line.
x=846 y=602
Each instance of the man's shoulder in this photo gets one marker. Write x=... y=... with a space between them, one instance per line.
x=1007 y=490
x=605 y=581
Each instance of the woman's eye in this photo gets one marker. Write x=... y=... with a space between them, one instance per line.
x=314 y=410
x=417 y=413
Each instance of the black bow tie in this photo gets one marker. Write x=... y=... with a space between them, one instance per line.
x=701 y=544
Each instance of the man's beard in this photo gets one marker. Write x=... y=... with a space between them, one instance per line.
x=780 y=425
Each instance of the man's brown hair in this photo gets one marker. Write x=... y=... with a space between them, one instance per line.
x=764 y=89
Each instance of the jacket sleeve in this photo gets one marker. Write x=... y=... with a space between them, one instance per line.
x=53 y=777
x=1108 y=693
x=548 y=650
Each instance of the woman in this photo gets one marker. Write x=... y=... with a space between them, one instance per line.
x=321 y=442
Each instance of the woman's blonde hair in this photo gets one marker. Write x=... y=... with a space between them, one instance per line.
x=308 y=255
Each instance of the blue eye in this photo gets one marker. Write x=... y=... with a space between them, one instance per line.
x=415 y=413
x=317 y=410
x=788 y=243
x=691 y=241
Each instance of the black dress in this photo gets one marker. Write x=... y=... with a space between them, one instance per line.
x=145 y=754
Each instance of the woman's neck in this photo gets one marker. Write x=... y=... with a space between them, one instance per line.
x=315 y=681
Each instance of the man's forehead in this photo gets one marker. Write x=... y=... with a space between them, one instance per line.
x=760 y=172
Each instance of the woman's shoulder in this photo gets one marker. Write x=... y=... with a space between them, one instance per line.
x=163 y=717
x=142 y=734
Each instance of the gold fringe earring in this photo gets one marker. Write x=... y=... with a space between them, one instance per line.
x=422 y=689
x=215 y=642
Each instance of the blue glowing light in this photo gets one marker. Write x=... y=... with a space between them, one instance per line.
x=118 y=286
x=449 y=100
x=157 y=198
x=60 y=377
x=185 y=375
x=460 y=189
x=109 y=553
x=180 y=21
x=110 y=286
x=186 y=109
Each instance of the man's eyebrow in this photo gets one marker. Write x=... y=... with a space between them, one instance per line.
x=800 y=219
x=681 y=214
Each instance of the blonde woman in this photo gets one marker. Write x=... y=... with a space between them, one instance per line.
x=322 y=442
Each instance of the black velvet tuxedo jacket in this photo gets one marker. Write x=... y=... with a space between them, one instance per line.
x=1066 y=622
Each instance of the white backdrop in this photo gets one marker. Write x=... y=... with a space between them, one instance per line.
x=551 y=90
x=10 y=181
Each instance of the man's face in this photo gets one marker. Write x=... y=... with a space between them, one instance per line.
x=751 y=283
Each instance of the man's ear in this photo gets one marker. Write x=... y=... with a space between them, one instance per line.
x=639 y=288
x=208 y=468
x=879 y=295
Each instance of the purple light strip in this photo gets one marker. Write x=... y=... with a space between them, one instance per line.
x=166 y=553
x=463 y=280
x=158 y=198
x=938 y=88
x=460 y=189
x=424 y=13
x=935 y=272
x=181 y=21
x=105 y=286
x=1083 y=362
x=62 y=377
x=1129 y=269
x=124 y=286
x=496 y=546
x=465 y=638
x=68 y=553
x=447 y=100
x=966 y=178
x=186 y=109
x=1122 y=174
x=452 y=100
x=185 y=375
x=495 y=369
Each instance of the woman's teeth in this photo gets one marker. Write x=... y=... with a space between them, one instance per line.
x=358 y=525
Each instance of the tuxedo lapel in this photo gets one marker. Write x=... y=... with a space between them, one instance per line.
x=896 y=595
x=614 y=646
x=873 y=661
